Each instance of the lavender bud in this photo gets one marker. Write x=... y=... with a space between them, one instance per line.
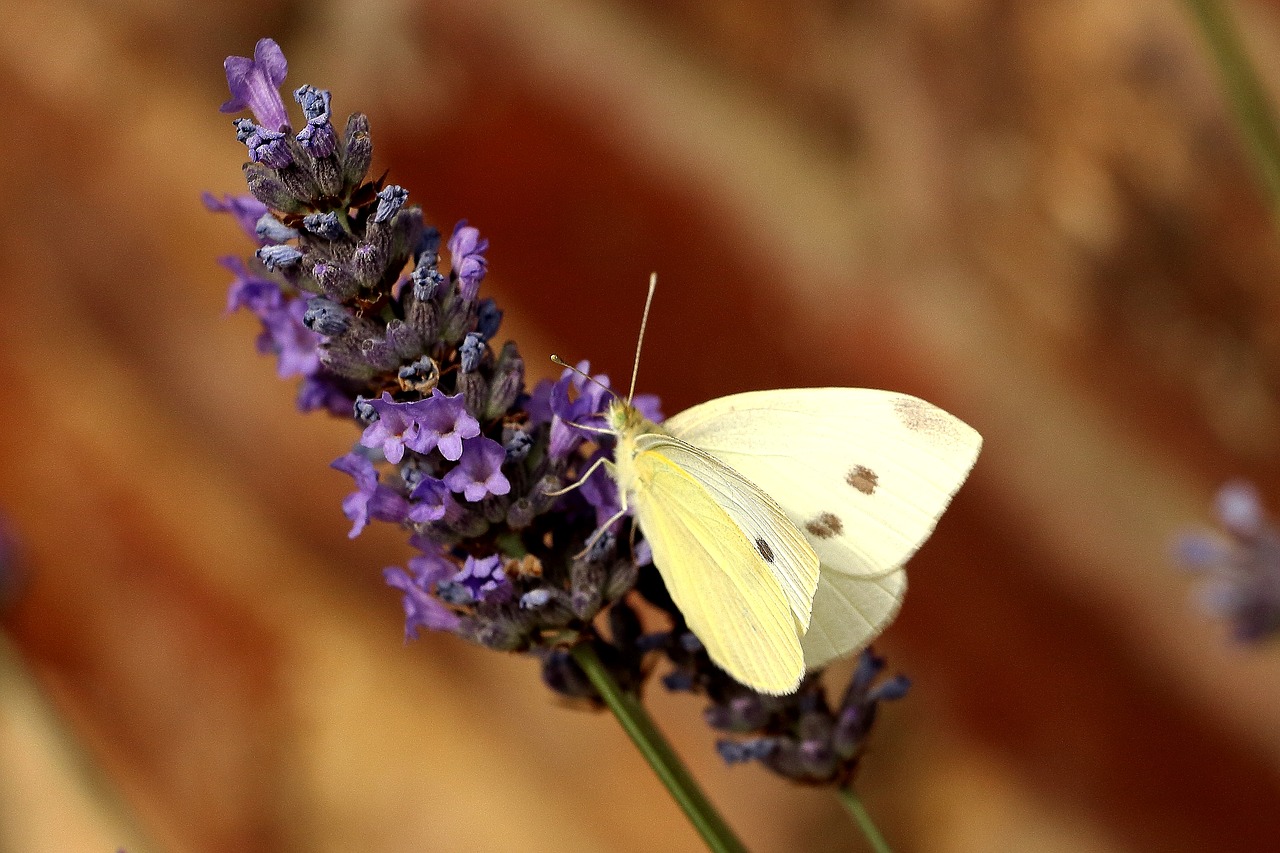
x=520 y=514
x=365 y=412
x=507 y=382
x=422 y=376
x=357 y=152
x=475 y=390
x=622 y=577
x=390 y=200
x=273 y=230
x=326 y=318
x=517 y=443
x=471 y=352
x=324 y=225
x=317 y=138
x=335 y=281
x=428 y=249
x=488 y=319
x=498 y=632
x=267 y=188
x=276 y=258
x=426 y=281
x=740 y=752
x=403 y=339
x=369 y=264
x=585 y=582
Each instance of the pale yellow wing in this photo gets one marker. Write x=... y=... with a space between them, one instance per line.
x=723 y=586
x=865 y=474
x=773 y=535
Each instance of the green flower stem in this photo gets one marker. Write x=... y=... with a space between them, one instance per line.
x=1248 y=100
x=859 y=814
x=661 y=757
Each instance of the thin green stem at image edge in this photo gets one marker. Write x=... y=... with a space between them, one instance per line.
x=661 y=757
x=1247 y=98
x=860 y=816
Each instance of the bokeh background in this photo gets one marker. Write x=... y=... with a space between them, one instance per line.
x=1035 y=214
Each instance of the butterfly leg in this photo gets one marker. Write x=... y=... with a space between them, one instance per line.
x=613 y=519
x=569 y=488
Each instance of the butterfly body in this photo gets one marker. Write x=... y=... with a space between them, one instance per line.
x=780 y=520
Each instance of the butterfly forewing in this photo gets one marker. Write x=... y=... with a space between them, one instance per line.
x=715 y=573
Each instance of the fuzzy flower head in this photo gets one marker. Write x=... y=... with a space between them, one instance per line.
x=1243 y=568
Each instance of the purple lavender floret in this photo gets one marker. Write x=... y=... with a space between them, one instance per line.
x=370 y=499
x=421 y=608
x=255 y=84
x=483 y=580
x=479 y=472
x=467 y=250
x=285 y=335
x=443 y=424
x=1243 y=568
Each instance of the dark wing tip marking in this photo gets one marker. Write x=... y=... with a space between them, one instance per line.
x=919 y=416
x=765 y=551
x=825 y=525
x=863 y=479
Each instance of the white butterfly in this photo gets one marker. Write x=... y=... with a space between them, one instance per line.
x=780 y=520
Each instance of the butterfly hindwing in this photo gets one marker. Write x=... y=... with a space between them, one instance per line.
x=704 y=523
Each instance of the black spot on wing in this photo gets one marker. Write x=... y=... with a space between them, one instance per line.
x=863 y=479
x=825 y=525
x=765 y=551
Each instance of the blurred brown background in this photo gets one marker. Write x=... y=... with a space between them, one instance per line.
x=1034 y=214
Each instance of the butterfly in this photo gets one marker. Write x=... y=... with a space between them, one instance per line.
x=780 y=520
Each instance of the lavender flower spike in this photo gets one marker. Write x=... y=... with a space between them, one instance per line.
x=255 y=84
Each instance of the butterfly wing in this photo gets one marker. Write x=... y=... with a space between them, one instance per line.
x=718 y=542
x=865 y=474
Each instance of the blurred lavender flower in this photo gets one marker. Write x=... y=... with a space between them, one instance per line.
x=1243 y=568
x=346 y=280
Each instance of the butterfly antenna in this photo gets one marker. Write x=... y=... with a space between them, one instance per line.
x=644 y=321
x=560 y=361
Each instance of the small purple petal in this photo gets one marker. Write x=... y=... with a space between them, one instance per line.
x=479 y=472
x=421 y=609
x=255 y=84
x=441 y=422
x=484 y=579
x=246 y=209
x=259 y=295
x=466 y=249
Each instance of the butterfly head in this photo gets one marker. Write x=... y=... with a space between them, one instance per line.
x=623 y=417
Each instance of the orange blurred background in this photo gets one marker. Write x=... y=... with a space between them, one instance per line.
x=1036 y=215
